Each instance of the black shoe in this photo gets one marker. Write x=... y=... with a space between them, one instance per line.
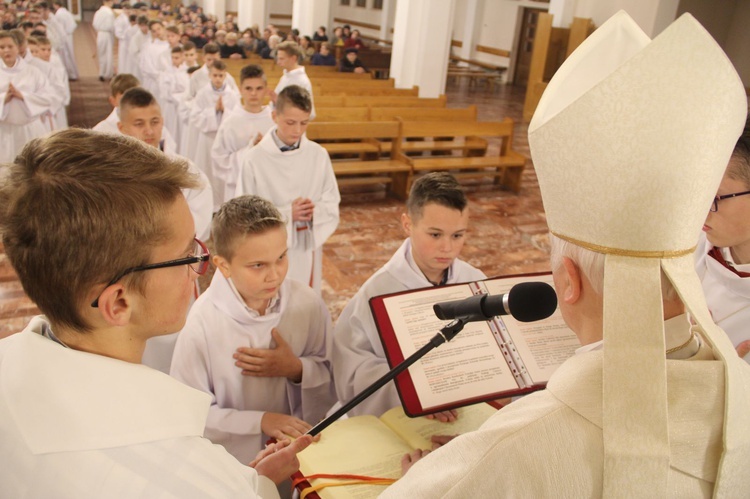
x=101 y=78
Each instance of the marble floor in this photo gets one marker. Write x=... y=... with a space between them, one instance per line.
x=507 y=230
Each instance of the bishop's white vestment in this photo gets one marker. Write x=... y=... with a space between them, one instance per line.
x=358 y=358
x=218 y=323
x=84 y=426
x=282 y=177
x=236 y=134
x=549 y=443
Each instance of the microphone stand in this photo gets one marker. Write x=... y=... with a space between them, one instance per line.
x=447 y=333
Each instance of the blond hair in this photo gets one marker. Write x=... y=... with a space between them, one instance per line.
x=79 y=206
x=239 y=217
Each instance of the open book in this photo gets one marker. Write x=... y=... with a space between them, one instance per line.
x=366 y=445
x=487 y=360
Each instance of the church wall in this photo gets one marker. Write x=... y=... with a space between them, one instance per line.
x=365 y=15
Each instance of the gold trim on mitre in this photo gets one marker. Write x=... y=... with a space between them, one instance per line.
x=622 y=252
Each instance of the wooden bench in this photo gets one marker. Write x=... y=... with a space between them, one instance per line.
x=377 y=101
x=506 y=166
x=394 y=173
x=339 y=114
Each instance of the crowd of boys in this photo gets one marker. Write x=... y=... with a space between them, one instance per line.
x=184 y=158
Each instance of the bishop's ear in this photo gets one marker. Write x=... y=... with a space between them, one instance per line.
x=572 y=281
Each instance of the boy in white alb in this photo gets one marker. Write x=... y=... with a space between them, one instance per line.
x=723 y=254
x=208 y=109
x=141 y=118
x=436 y=221
x=244 y=127
x=104 y=24
x=296 y=175
x=255 y=341
x=139 y=38
x=154 y=57
x=289 y=56
x=122 y=23
x=173 y=83
x=58 y=78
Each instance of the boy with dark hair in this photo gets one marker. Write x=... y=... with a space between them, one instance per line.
x=289 y=56
x=351 y=63
x=296 y=175
x=208 y=109
x=135 y=266
x=255 y=341
x=436 y=222
x=244 y=127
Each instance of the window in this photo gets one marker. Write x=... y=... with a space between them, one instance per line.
x=361 y=3
x=377 y=4
x=345 y=2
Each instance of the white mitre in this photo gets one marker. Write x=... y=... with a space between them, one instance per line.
x=630 y=141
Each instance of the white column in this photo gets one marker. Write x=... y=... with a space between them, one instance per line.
x=472 y=26
x=251 y=12
x=217 y=8
x=421 y=45
x=386 y=16
x=308 y=15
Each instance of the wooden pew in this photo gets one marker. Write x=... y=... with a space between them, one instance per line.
x=335 y=87
x=507 y=166
x=422 y=113
x=394 y=101
x=369 y=169
x=342 y=114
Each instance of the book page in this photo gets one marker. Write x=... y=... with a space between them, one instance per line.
x=417 y=431
x=471 y=365
x=542 y=345
x=361 y=445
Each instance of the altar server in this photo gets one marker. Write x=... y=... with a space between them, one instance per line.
x=24 y=99
x=122 y=24
x=173 y=85
x=289 y=56
x=723 y=255
x=154 y=57
x=79 y=416
x=255 y=341
x=244 y=127
x=436 y=222
x=646 y=408
x=104 y=24
x=58 y=82
x=208 y=109
x=68 y=23
x=139 y=36
x=296 y=175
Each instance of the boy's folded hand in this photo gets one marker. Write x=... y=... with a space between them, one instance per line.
x=282 y=426
x=279 y=361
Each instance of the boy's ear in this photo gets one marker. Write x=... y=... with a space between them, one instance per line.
x=406 y=223
x=115 y=306
x=274 y=116
x=112 y=101
x=222 y=264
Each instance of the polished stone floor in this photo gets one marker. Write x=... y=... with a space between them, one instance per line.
x=507 y=231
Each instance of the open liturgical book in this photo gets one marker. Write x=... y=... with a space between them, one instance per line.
x=373 y=447
x=488 y=360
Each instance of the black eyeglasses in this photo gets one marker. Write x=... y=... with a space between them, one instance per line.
x=198 y=264
x=715 y=205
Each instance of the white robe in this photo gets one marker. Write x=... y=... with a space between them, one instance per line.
x=549 y=444
x=198 y=80
x=173 y=84
x=137 y=43
x=206 y=121
x=69 y=25
x=104 y=24
x=282 y=177
x=236 y=134
x=122 y=24
x=219 y=323
x=296 y=77
x=358 y=358
x=727 y=295
x=80 y=425
x=21 y=121
x=155 y=58
x=57 y=92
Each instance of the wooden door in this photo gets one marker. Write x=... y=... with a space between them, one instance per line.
x=526 y=45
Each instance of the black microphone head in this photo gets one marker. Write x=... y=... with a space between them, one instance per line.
x=532 y=301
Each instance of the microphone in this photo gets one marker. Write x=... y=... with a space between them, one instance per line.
x=526 y=302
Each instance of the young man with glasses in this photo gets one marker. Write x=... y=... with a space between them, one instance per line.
x=104 y=243
x=723 y=255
